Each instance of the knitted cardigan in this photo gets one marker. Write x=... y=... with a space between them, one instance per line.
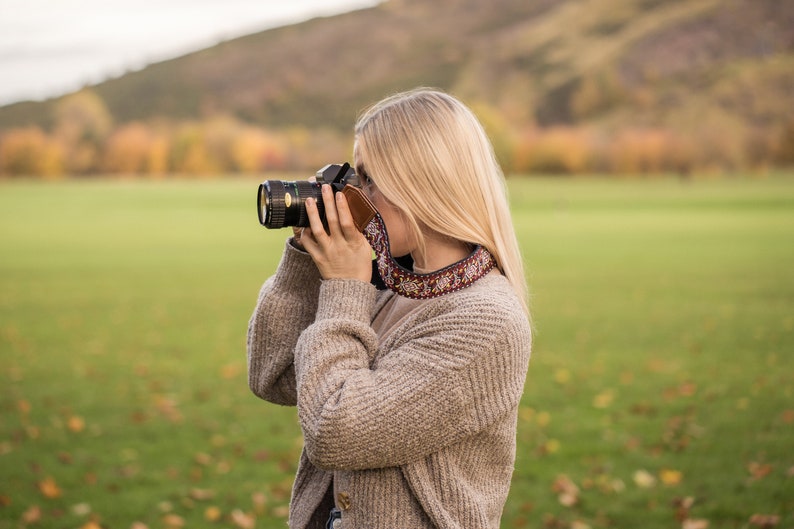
x=415 y=428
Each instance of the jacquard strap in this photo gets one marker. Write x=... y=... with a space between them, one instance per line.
x=423 y=286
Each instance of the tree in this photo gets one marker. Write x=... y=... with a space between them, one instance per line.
x=82 y=122
x=30 y=152
x=127 y=149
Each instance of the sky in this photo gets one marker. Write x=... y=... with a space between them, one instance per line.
x=52 y=47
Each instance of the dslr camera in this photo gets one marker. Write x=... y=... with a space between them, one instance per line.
x=281 y=204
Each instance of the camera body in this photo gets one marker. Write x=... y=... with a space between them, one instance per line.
x=281 y=204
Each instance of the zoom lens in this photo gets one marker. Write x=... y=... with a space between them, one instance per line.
x=280 y=204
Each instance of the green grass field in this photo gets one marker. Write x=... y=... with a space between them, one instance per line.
x=660 y=393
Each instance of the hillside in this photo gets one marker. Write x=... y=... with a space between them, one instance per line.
x=610 y=64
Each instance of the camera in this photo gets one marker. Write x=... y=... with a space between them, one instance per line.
x=280 y=204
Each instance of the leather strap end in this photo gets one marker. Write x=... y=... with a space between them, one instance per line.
x=361 y=207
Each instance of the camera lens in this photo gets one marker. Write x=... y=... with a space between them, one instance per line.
x=281 y=204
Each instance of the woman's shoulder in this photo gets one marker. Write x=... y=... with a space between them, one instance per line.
x=490 y=301
x=492 y=289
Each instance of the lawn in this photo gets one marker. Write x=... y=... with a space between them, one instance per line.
x=660 y=393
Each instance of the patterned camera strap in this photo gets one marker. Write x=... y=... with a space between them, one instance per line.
x=423 y=286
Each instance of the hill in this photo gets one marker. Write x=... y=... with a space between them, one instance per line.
x=684 y=65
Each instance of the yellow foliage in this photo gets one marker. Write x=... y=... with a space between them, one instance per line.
x=82 y=116
x=127 y=149
x=555 y=150
x=29 y=151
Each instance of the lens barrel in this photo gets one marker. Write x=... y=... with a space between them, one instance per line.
x=281 y=204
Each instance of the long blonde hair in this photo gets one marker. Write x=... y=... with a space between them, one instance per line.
x=430 y=157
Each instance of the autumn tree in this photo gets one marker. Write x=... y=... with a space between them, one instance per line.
x=189 y=152
x=30 y=152
x=127 y=149
x=554 y=150
x=254 y=150
x=785 y=146
x=82 y=122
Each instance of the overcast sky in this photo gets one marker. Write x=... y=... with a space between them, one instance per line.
x=50 y=47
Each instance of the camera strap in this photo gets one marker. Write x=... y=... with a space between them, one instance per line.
x=397 y=277
x=423 y=286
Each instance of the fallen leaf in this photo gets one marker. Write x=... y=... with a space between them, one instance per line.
x=552 y=522
x=32 y=515
x=552 y=446
x=682 y=507
x=562 y=376
x=626 y=378
x=75 y=424
x=212 y=514
x=168 y=407
x=243 y=520
x=259 y=499
x=604 y=399
x=644 y=479
x=24 y=406
x=567 y=491
x=203 y=459
x=49 y=488
x=695 y=523
x=670 y=477
x=223 y=467
x=758 y=470
x=765 y=521
x=202 y=494
x=230 y=371
x=173 y=521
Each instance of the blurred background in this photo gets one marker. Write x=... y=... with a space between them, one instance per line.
x=649 y=152
x=192 y=88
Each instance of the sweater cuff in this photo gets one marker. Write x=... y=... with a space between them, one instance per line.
x=348 y=298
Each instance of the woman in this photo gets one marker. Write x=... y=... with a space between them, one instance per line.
x=407 y=396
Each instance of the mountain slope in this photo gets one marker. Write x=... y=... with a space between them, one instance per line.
x=607 y=62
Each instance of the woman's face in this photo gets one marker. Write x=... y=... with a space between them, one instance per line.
x=401 y=241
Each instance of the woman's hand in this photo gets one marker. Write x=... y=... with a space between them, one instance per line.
x=342 y=252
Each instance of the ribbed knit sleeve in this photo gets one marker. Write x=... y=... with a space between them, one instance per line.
x=286 y=305
x=456 y=367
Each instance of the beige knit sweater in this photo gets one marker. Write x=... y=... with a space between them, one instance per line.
x=408 y=408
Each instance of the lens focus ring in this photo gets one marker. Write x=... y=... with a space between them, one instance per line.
x=275 y=204
x=305 y=190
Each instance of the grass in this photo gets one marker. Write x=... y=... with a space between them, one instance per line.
x=660 y=390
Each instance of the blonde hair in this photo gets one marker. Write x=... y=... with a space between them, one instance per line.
x=430 y=157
